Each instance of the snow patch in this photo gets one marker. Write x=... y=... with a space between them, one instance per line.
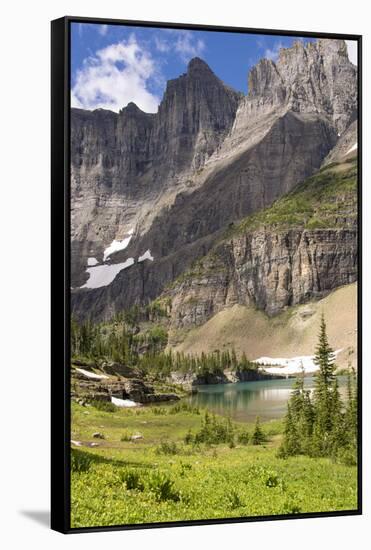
x=146 y=256
x=353 y=148
x=103 y=275
x=293 y=365
x=123 y=402
x=92 y=375
x=92 y=261
x=115 y=246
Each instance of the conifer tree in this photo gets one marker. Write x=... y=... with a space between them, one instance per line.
x=298 y=421
x=326 y=395
x=290 y=445
x=350 y=425
x=257 y=437
x=234 y=360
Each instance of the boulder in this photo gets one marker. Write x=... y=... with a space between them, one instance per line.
x=135 y=437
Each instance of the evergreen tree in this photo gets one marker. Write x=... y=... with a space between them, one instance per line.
x=234 y=360
x=290 y=445
x=348 y=453
x=298 y=421
x=326 y=396
x=306 y=428
x=258 y=436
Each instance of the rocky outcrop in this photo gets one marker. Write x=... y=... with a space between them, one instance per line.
x=346 y=147
x=268 y=270
x=85 y=389
x=209 y=157
x=117 y=369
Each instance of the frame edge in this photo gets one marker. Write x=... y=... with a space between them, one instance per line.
x=60 y=491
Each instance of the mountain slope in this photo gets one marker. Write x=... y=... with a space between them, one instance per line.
x=301 y=248
x=292 y=333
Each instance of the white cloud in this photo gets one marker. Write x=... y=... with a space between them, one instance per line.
x=114 y=76
x=161 y=44
x=183 y=43
x=102 y=29
x=187 y=46
x=273 y=53
x=352 y=46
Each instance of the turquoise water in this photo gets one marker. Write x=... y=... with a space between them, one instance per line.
x=245 y=401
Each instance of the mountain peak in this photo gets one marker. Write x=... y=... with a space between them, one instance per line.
x=197 y=67
x=132 y=111
x=132 y=108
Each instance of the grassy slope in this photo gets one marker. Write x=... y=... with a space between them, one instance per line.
x=209 y=482
x=292 y=333
x=321 y=201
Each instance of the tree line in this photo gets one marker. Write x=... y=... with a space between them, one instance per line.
x=122 y=341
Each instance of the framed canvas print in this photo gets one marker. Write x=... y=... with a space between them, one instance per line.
x=206 y=308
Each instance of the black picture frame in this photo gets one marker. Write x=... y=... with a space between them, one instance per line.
x=60 y=271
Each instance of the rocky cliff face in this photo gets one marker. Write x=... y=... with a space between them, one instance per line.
x=346 y=146
x=268 y=270
x=209 y=157
x=317 y=77
x=301 y=248
x=126 y=167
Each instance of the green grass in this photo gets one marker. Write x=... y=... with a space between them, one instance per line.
x=324 y=200
x=160 y=478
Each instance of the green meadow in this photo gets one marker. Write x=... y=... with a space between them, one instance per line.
x=171 y=474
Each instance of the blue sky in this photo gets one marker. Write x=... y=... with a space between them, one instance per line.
x=112 y=65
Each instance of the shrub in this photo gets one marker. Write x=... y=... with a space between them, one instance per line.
x=162 y=486
x=80 y=461
x=214 y=431
x=184 y=469
x=235 y=500
x=272 y=479
x=243 y=437
x=167 y=448
x=188 y=438
x=132 y=480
